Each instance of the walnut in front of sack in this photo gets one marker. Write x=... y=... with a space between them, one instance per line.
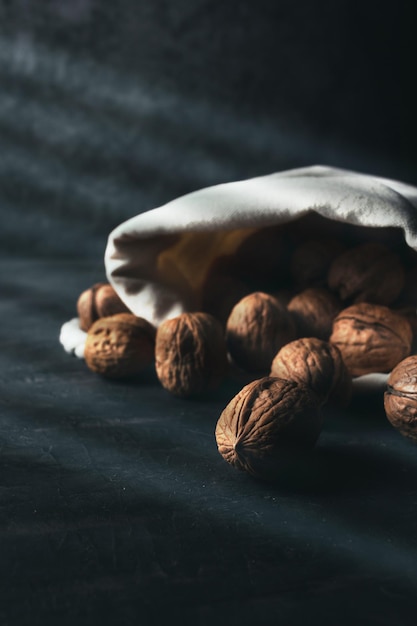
x=370 y=272
x=120 y=346
x=98 y=301
x=190 y=354
x=269 y=425
x=258 y=326
x=313 y=311
x=319 y=365
x=371 y=338
x=400 y=398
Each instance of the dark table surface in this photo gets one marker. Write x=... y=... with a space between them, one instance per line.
x=115 y=505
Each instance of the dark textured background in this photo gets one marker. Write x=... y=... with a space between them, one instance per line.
x=115 y=506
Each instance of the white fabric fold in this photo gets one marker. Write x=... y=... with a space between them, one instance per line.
x=156 y=287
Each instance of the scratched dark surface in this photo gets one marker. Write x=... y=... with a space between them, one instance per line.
x=115 y=506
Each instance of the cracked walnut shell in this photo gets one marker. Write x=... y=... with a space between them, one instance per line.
x=319 y=365
x=190 y=354
x=120 y=346
x=400 y=398
x=371 y=338
x=268 y=425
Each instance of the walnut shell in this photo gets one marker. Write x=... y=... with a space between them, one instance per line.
x=120 y=346
x=191 y=355
x=410 y=313
x=370 y=272
x=400 y=399
x=317 y=364
x=267 y=424
x=313 y=311
x=100 y=300
x=258 y=326
x=371 y=338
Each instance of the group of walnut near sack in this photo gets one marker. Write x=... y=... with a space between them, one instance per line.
x=345 y=311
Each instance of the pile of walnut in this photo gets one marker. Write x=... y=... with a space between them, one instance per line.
x=343 y=309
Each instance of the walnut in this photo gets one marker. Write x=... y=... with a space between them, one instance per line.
x=400 y=399
x=410 y=313
x=120 y=346
x=371 y=338
x=268 y=424
x=258 y=326
x=311 y=260
x=319 y=365
x=313 y=311
x=100 y=300
x=370 y=272
x=191 y=355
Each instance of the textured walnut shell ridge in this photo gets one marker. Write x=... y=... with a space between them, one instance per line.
x=313 y=311
x=400 y=399
x=371 y=338
x=319 y=365
x=266 y=421
x=257 y=328
x=190 y=354
x=120 y=346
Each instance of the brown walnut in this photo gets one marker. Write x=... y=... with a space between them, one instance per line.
x=319 y=365
x=120 y=346
x=313 y=311
x=191 y=355
x=100 y=300
x=400 y=398
x=258 y=326
x=267 y=425
x=371 y=338
x=370 y=272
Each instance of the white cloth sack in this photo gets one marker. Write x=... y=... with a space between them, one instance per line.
x=157 y=261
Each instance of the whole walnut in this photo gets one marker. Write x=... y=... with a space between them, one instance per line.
x=270 y=423
x=191 y=355
x=100 y=300
x=311 y=260
x=120 y=346
x=370 y=272
x=400 y=399
x=313 y=311
x=258 y=326
x=319 y=365
x=371 y=338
